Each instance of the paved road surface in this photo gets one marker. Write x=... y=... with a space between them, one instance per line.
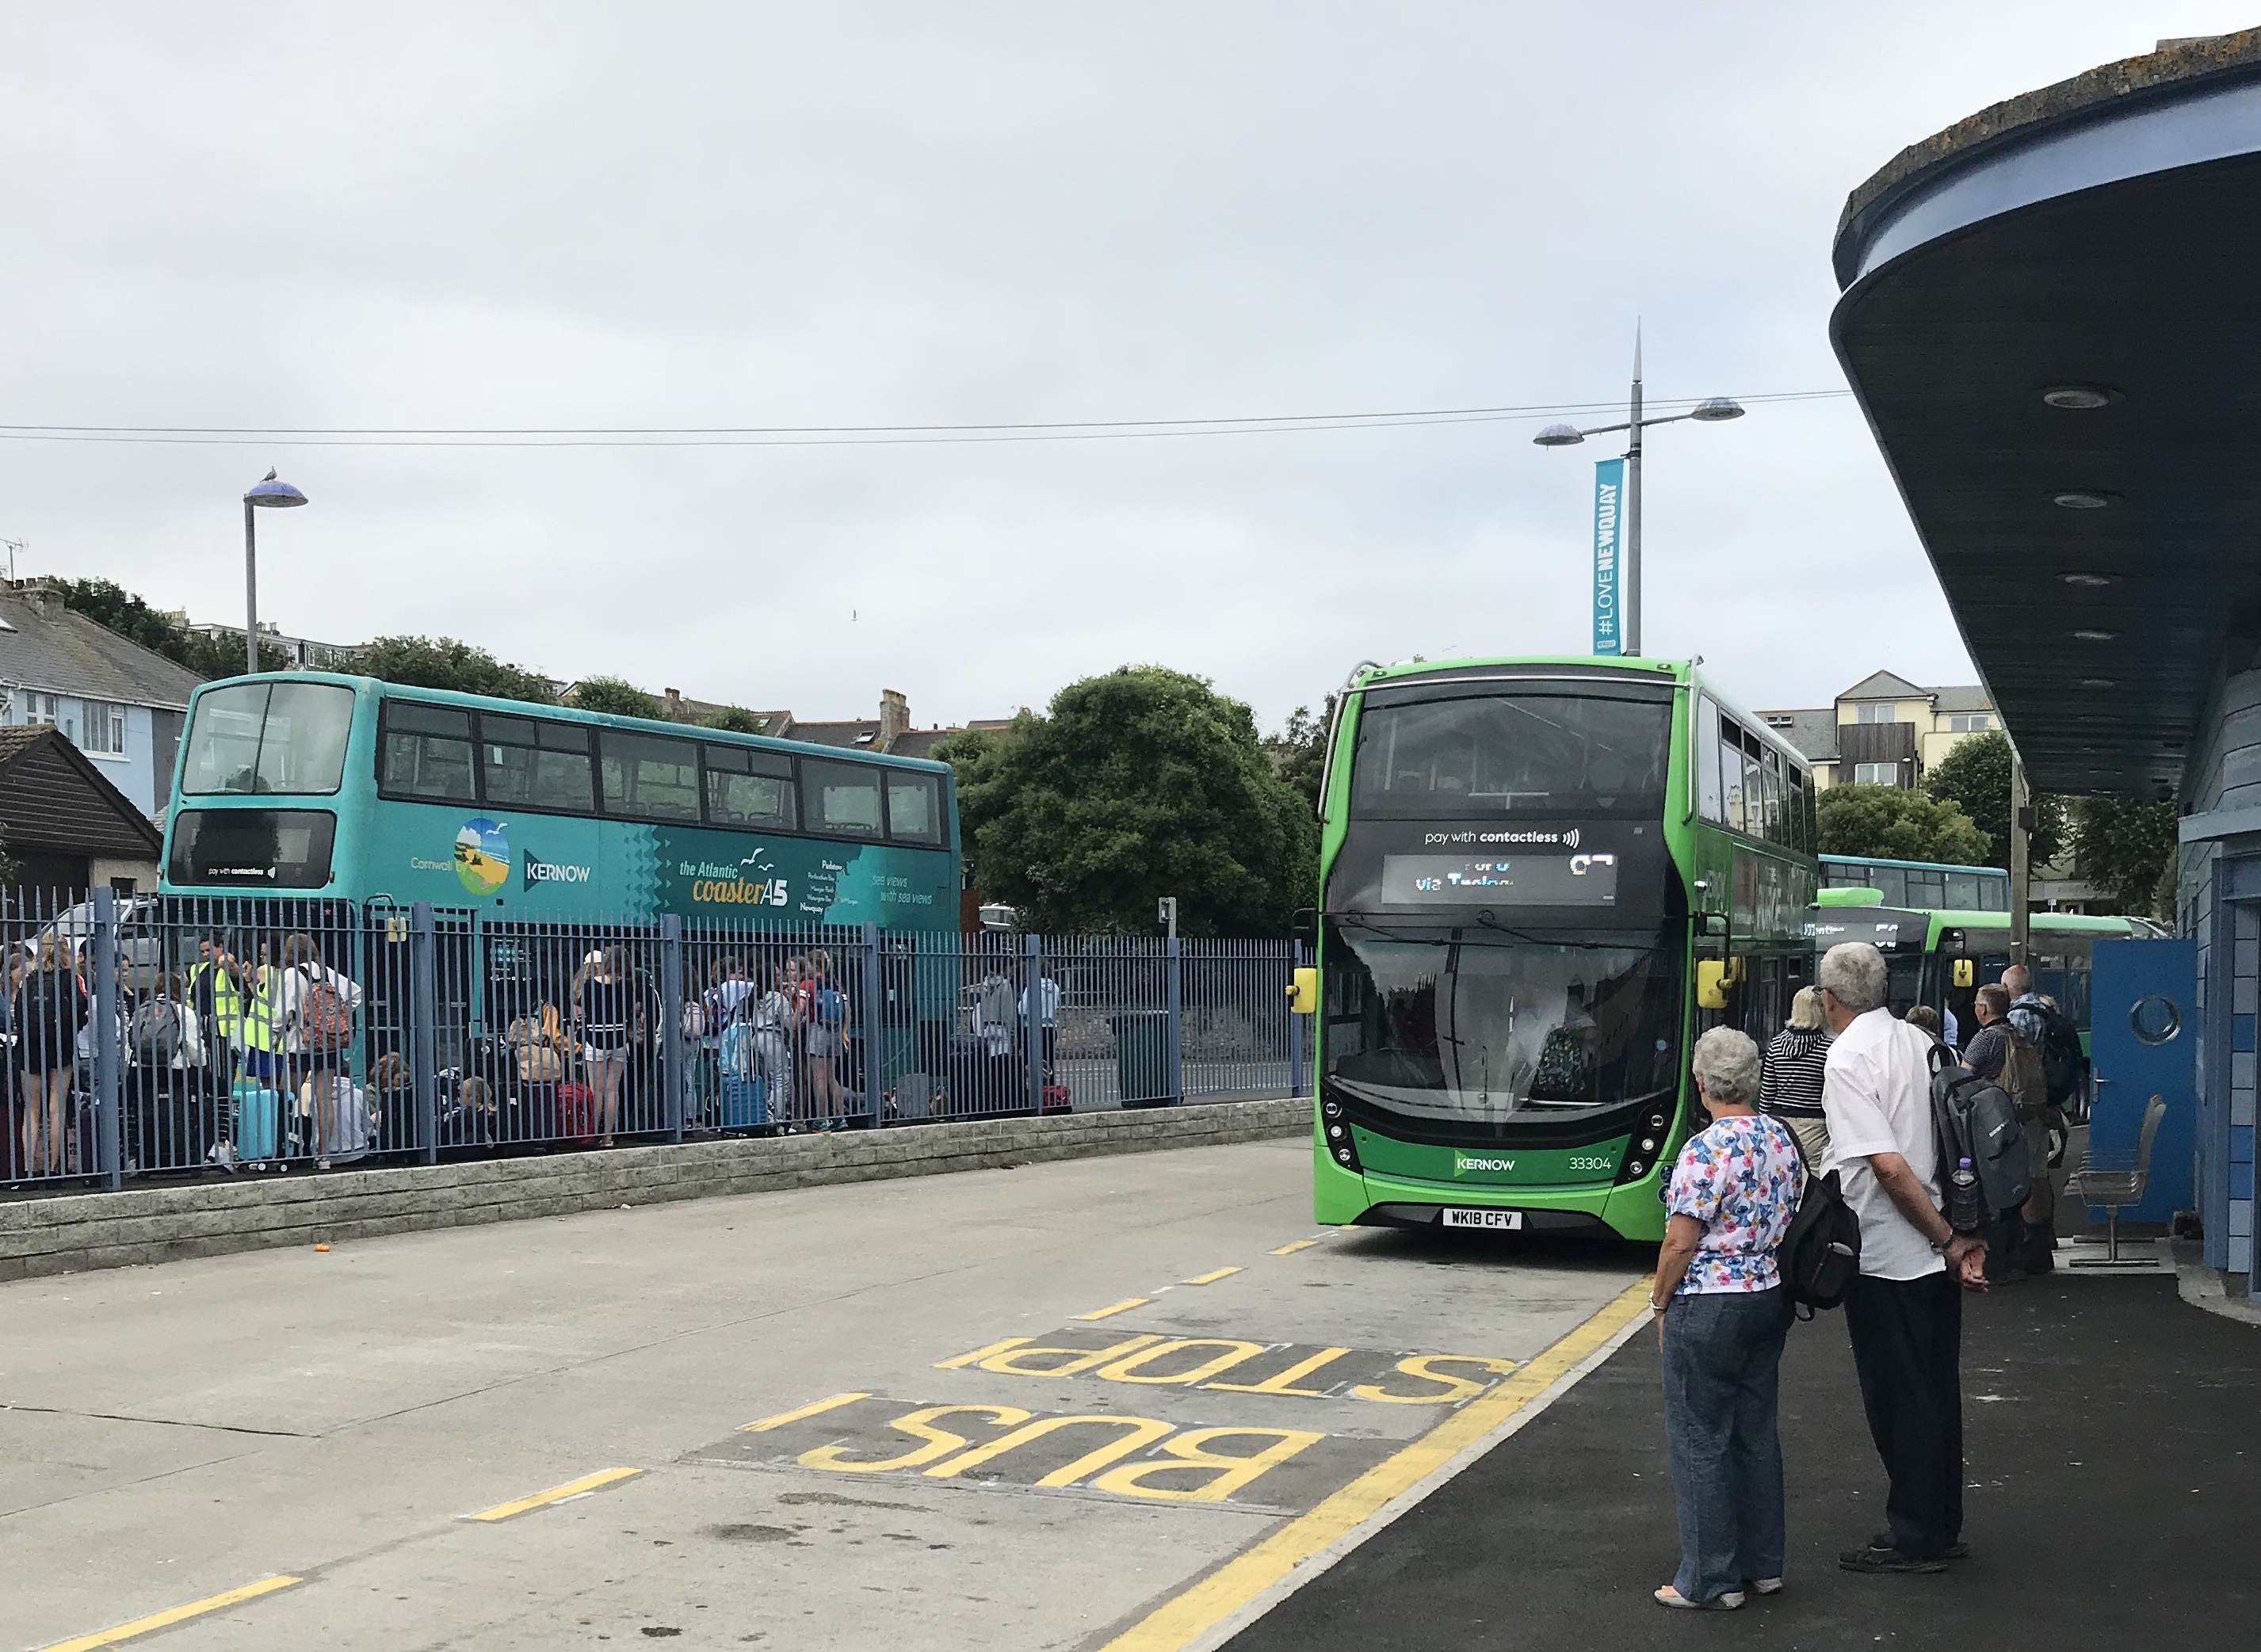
x=1019 y=1409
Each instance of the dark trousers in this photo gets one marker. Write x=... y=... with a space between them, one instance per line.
x=1907 y=1346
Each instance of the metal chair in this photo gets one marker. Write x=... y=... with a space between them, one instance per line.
x=2113 y=1185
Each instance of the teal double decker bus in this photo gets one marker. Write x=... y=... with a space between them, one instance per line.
x=1541 y=879
x=312 y=786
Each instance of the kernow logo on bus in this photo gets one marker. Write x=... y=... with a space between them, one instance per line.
x=539 y=871
x=1465 y=1162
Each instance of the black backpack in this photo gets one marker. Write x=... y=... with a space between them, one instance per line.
x=2058 y=1047
x=1975 y=1119
x=1820 y=1254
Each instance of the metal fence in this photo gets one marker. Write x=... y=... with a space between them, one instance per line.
x=146 y=1035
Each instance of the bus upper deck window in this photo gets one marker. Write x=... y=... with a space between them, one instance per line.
x=531 y=762
x=425 y=752
x=267 y=737
x=841 y=799
x=914 y=809
x=650 y=776
x=747 y=787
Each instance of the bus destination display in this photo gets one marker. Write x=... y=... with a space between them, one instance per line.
x=1522 y=880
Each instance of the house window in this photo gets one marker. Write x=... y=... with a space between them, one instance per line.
x=1876 y=773
x=38 y=708
x=1969 y=723
x=101 y=728
x=1881 y=711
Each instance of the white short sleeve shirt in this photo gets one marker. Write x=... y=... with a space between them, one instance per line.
x=1876 y=1092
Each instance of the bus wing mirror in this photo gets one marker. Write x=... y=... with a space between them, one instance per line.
x=1966 y=972
x=1713 y=976
x=1304 y=992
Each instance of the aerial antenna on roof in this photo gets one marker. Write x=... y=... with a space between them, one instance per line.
x=14 y=546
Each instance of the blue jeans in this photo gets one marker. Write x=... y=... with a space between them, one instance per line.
x=1722 y=1366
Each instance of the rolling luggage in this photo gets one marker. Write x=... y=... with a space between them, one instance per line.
x=1058 y=1101
x=577 y=1114
x=745 y=1103
x=258 y=1120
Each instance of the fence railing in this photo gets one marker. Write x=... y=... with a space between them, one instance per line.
x=147 y=1035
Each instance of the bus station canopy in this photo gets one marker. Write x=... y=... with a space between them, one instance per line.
x=2049 y=316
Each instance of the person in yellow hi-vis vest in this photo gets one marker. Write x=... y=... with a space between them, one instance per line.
x=215 y=993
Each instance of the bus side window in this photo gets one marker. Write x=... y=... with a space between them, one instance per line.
x=425 y=754
x=841 y=800
x=536 y=763
x=746 y=787
x=1731 y=774
x=1710 y=804
x=914 y=809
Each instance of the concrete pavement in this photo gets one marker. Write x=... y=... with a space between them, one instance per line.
x=2109 y=1503
x=1004 y=1408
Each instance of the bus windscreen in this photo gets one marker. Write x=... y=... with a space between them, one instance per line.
x=1469 y=751
x=1486 y=1025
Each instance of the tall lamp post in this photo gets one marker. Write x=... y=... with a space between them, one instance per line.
x=1711 y=411
x=267 y=494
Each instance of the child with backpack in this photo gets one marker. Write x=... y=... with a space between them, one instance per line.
x=315 y=1016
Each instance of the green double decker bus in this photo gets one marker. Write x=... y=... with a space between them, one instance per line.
x=1541 y=879
x=311 y=786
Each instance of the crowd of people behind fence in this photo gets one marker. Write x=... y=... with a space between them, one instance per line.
x=257 y=1047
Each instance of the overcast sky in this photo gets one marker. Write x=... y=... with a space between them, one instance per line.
x=753 y=214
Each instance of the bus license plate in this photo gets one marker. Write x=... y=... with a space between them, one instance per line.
x=1484 y=1219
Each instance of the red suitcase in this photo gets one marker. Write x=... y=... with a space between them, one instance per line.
x=1058 y=1101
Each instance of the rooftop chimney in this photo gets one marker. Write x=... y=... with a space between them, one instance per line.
x=895 y=716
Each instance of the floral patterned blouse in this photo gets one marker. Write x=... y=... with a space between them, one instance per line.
x=1740 y=1179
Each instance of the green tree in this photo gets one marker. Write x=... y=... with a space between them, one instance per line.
x=617 y=696
x=1889 y=824
x=2126 y=847
x=733 y=719
x=119 y=610
x=1137 y=785
x=1299 y=750
x=1975 y=777
x=8 y=867
x=442 y=662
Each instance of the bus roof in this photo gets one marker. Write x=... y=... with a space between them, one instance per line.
x=572 y=714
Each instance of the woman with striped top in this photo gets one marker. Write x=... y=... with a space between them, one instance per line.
x=1791 y=1088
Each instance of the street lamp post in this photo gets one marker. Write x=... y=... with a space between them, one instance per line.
x=268 y=494
x=1711 y=411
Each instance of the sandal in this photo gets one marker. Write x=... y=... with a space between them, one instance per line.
x=1671 y=1597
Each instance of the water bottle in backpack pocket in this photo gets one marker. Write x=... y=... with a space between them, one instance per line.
x=1977 y=1125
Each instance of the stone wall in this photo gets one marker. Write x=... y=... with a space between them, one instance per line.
x=72 y=1232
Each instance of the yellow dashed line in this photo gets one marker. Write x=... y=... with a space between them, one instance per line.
x=1212 y=1277
x=555 y=1494
x=1113 y=1308
x=1290 y=1250
x=177 y=1614
x=817 y=1409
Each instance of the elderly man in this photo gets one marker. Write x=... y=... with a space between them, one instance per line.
x=1904 y=1314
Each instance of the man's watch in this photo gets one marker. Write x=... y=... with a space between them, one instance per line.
x=1940 y=1247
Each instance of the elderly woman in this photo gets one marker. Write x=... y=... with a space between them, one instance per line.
x=1721 y=1317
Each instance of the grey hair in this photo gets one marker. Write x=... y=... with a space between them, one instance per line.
x=1852 y=973
x=1727 y=1064
x=1805 y=1010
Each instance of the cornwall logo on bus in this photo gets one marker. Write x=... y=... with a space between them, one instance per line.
x=481 y=856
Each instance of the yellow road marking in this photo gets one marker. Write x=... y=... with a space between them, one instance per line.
x=1113 y=1308
x=1212 y=1277
x=817 y=1409
x=1290 y=1250
x=1178 y=1623
x=555 y=1494
x=177 y=1614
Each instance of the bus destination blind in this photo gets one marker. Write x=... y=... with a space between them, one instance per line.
x=1520 y=880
